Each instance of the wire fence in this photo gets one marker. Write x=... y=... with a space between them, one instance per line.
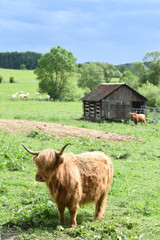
x=152 y=114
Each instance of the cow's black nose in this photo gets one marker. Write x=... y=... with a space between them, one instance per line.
x=38 y=178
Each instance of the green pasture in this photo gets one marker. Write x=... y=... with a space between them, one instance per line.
x=26 y=211
x=25 y=80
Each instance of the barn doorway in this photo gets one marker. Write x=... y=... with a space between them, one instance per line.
x=137 y=104
x=138 y=107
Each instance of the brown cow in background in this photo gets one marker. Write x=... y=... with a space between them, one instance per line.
x=138 y=118
x=74 y=179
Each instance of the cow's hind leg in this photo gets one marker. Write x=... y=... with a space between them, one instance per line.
x=100 y=206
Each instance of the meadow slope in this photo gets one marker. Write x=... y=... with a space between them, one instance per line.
x=26 y=210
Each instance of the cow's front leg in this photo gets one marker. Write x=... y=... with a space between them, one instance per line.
x=61 y=209
x=73 y=214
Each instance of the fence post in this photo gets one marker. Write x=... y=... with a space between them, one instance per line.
x=145 y=113
x=0 y=232
x=155 y=114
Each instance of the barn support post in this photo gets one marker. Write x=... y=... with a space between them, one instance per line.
x=86 y=109
x=83 y=108
x=98 y=111
x=95 y=113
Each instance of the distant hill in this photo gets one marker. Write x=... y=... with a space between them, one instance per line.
x=128 y=66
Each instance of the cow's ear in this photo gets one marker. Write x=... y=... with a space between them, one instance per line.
x=60 y=159
x=34 y=158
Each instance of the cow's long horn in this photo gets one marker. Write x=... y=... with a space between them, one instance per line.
x=61 y=152
x=31 y=152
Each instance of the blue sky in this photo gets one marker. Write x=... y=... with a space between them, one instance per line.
x=113 y=31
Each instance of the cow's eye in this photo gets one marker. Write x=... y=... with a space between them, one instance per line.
x=38 y=164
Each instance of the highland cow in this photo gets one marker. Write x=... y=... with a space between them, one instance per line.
x=138 y=118
x=74 y=179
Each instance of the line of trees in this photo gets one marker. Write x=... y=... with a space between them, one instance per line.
x=60 y=76
x=19 y=60
x=145 y=77
x=57 y=68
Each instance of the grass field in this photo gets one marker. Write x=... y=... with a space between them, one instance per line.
x=26 y=211
x=25 y=80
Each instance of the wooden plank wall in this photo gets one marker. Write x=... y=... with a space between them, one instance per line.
x=92 y=110
x=115 y=110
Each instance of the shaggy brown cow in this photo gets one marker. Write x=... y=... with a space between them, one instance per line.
x=138 y=118
x=74 y=179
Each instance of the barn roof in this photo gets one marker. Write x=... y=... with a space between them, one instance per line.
x=104 y=90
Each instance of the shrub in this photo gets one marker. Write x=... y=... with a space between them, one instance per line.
x=11 y=80
x=22 y=66
x=1 y=79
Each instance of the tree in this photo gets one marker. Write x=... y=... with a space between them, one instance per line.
x=128 y=78
x=91 y=76
x=139 y=69
x=109 y=71
x=122 y=68
x=22 y=66
x=152 y=93
x=153 y=74
x=54 y=71
x=152 y=56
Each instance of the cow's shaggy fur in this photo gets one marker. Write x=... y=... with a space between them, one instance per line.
x=138 y=118
x=75 y=179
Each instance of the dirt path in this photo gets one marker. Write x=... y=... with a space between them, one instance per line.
x=59 y=130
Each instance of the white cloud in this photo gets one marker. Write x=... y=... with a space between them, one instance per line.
x=92 y=28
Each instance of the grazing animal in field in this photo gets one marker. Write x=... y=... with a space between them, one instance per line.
x=48 y=97
x=138 y=118
x=22 y=95
x=39 y=95
x=74 y=179
x=26 y=95
x=14 y=96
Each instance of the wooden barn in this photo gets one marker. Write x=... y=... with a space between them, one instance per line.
x=112 y=101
